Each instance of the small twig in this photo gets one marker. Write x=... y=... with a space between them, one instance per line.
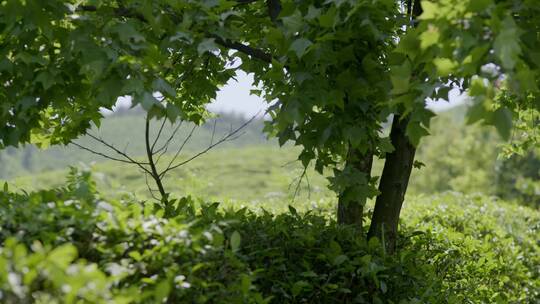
x=168 y=141
x=213 y=132
x=297 y=189
x=158 y=135
x=132 y=161
x=153 y=170
x=150 y=188
x=101 y=154
x=226 y=138
x=178 y=151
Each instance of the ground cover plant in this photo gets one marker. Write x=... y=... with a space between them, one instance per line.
x=71 y=245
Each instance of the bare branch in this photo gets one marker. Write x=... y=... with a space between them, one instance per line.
x=168 y=141
x=101 y=154
x=162 y=174
x=226 y=138
x=132 y=161
x=213 y=132
x=154 y=174
x=297 y=188
x=150 y=188
x=158 y=135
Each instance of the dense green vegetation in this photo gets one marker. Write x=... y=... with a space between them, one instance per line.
x=236 y=238
x=331 y=219
x=72 y=245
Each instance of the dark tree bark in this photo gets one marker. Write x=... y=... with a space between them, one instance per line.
x=393 y=186
x=396 y=172
x=352 y=212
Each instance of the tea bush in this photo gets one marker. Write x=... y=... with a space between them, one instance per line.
x=70 y=245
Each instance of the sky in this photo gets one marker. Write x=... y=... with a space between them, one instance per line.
x=235 y=97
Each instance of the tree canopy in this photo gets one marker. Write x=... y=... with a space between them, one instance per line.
x=336 y=68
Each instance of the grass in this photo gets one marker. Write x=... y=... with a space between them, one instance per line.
x=249 y=175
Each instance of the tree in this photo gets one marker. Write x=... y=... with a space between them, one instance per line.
x=337 y=69
x=155 y=149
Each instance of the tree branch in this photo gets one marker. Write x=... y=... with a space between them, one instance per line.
x=229 y=136
x=118 y=11
x=101 y=154
x=158 y=135
x=253 y=52
x=162 y=174
x=139 y=164
x=149 y=154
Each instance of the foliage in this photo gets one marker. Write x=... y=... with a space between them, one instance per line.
x=458 y=157
x=487 y=48
x=519 y=178
x=203 y=254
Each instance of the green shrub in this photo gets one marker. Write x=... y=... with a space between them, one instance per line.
x=519 y=178
x=69 y=245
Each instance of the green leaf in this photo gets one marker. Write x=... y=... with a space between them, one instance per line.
x=46 y=79
x=163 y=87
x=385 y=145
x=147 y=101
x=305 y=157
x=478 y=111
x=294 y=22
x=300 y=46
x=207 y=45
x=415 y=131
x=293 y=211
x=63 y=255
x=429 y=10
x=409 y=45
x=162 y=291
x=502 y=119
x=479 y=5
x=6 y=187
x=172 y=112
x=400 y=77
x=312 y=13
x=235 y=241
x=418 y=164
x=429 y=37
x=328 y=19
x=340 y=259
x=129 y=35
x=384 y=288
x=506 y=45
x=135 y=255
x=444 y=66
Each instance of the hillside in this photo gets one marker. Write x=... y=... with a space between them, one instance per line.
x=126 y=131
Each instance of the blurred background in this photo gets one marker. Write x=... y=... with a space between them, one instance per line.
x=252 y=168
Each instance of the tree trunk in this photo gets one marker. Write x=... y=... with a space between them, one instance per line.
x=351 y=213
x=150 y=156
x=393 y=185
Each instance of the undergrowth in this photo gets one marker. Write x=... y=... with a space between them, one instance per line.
x=70 y=245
